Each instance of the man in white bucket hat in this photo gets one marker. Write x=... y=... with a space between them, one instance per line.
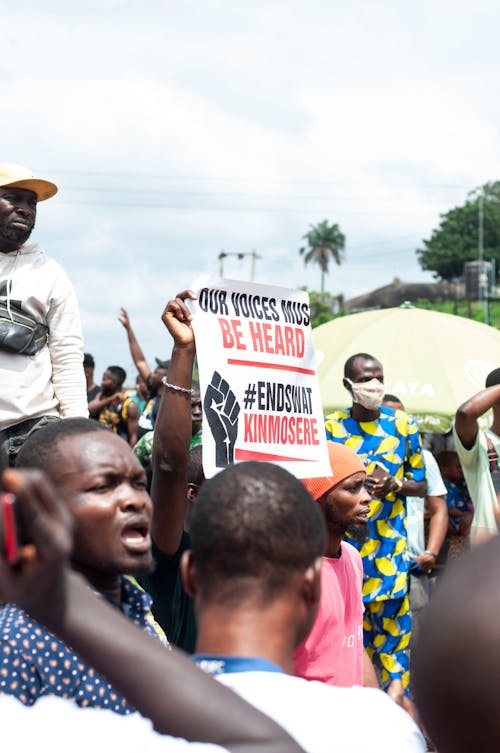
x=41 y=351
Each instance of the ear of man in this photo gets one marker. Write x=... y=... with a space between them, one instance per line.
x=311 y=584
x=347 y=385
x=310 y=594
x=188 y=573
x=192 y=491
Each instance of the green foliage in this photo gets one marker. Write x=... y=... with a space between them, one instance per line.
x=324 y=306
x=324 y=243
x=470 y=309
x=455 y=241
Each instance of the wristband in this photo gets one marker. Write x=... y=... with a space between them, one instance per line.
x=399 y=484
x=175 y=387
x=433 y=554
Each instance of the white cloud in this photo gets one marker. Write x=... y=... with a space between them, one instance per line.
x=177 y=129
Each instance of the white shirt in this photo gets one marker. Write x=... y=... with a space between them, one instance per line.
x=327 y=719
x=476 y=467
x=51 y=382
x=415 y=506
x=57 y=725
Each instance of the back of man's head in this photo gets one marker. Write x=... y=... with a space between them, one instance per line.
x=88 y=361
x=44 y=448
x=493 y=378
x=253 y=527
x=457 y=668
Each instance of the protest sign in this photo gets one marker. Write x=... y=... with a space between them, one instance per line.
x=260 y=391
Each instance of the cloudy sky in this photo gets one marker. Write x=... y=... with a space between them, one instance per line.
x=176 y=130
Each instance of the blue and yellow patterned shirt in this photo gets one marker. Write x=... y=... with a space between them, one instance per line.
x=34 y=662
x=393 y=440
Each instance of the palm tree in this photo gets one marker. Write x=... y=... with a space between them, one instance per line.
x=324 y=242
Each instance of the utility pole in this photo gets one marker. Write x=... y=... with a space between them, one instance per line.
x=254 y=256
x=483 y=275
x=241 y=255
x=221 y=258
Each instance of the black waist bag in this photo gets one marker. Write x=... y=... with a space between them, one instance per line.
x=21 y=333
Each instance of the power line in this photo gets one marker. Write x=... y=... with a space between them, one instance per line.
x=378 y=254
x=382 y=243
x=238 y=194
x=215 y=208
x=245 y=179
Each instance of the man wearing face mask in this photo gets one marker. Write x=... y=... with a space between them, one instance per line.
x=391 y=450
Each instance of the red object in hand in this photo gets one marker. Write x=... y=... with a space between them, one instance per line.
x=11 y=540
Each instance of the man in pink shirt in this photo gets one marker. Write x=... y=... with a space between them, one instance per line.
x=333 y=652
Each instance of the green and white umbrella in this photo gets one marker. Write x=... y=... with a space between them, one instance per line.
x=433 y=362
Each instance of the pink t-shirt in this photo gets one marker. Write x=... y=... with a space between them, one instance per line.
x=333 y=651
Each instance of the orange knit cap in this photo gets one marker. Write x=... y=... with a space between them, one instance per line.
x=344 y=463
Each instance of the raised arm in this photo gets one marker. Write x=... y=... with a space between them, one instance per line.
x=466 y=416
x=132 y=422
x=164 y=686
x=173 y=432
x=136 y=352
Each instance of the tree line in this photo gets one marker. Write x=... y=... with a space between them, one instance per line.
x=451 y=244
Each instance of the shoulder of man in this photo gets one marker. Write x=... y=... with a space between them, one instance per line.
x=288 y=700
x=351 y=550
x=338 y=415
x=53 y=277
x=124 y=411
x=20 y=632
x=335 y=427
x=405 y=424
x=351 y=553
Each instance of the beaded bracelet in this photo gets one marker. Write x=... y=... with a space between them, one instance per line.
x=175 y=387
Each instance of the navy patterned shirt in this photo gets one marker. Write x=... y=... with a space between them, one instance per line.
x=34 y=662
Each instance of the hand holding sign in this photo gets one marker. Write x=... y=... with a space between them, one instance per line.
x=177 y=319
x=258 y=377
x=222 y=411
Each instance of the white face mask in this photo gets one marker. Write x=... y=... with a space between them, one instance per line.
x=368 y=394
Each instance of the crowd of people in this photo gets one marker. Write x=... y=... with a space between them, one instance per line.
x=307 y=600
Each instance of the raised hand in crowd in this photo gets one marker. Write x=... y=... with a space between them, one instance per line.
x=173 y=431
x=136 y=351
